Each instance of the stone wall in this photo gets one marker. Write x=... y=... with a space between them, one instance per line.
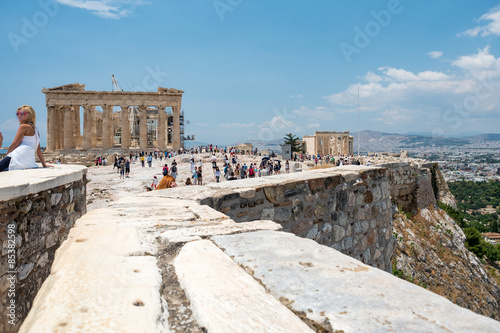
x=346 y=209
x=37 y=210
x=163 y=261
x=411 y=185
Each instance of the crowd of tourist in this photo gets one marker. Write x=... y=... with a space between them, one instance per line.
x=225 y=164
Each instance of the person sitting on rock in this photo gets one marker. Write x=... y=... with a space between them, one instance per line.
x=166 y=182
x=21 y=153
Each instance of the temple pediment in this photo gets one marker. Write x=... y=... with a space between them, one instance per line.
x=68 y=87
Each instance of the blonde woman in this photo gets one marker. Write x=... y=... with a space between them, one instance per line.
x=21 y=153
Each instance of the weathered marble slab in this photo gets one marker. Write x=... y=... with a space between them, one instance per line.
x=19 y=183
x=97 y=286
x=226 y=299
x=328 y=286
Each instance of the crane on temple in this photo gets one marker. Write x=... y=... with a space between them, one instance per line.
x=116 y=86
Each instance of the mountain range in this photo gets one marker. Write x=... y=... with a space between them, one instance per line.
x=381 y=141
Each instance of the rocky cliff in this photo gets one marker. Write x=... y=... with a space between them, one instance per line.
x=431 y=252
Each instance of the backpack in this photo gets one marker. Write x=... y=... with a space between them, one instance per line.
x=251 y=172
x=165 y=171
x=174 y=168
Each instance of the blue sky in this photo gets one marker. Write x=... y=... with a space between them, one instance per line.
x=259 y=69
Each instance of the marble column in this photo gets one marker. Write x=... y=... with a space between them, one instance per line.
x=176 y=128
x=88 y=124
x=143 y=127
x=60 y=122
x=69 y=131
x=51 y=128
x=107 y=127
x=125 y=128
x=161 y=127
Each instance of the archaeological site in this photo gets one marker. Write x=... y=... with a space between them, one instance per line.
x=144 y=120
x=310 y=251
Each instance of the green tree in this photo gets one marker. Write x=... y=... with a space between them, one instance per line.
x=292 y=140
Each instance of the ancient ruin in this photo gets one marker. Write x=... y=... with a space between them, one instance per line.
x=256 y=255
x=146 y=119
x=329 y=143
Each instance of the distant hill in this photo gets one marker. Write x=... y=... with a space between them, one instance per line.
x=485 y=137
x=190 y=144
x=373 y=141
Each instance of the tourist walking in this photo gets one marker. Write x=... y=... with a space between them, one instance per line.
x=127 y=168
x=173 y=170
x=217 y=174
x=195 y=176
x=122 y=169
x=200 y=176
x=154 y=184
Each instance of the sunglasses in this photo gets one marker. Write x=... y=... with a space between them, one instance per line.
x=21 y=113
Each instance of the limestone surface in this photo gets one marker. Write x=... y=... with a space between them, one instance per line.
x=342 y=293
x=226 y=299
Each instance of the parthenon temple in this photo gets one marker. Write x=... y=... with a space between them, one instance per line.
x=329 y=143
x=113 y=119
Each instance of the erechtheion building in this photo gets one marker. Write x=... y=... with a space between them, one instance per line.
x=145 y=120
x=329 y=143
x=245 y=148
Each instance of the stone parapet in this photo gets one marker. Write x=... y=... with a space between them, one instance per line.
x=411 y=185
x=346 y=208
x=165 y=261
x=38 y=207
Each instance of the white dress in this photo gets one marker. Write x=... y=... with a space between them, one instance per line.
x=23 y=156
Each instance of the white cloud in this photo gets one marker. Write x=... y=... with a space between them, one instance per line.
x=239 y=125
x=435 y=54
x=274 y=128
x=394 y=74
x=397 y=115
x=491 y=28
x=278 y=124
x=480 y=65
x=398 y=86
x=9 y=124
x=9 y=129
x=313 y=125
x=111 y=9
x=372 y=77
x=318 y=112
x=203 y=124
x=297 y=96
x=446 y=101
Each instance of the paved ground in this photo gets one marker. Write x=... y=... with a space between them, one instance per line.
x=105 y=185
